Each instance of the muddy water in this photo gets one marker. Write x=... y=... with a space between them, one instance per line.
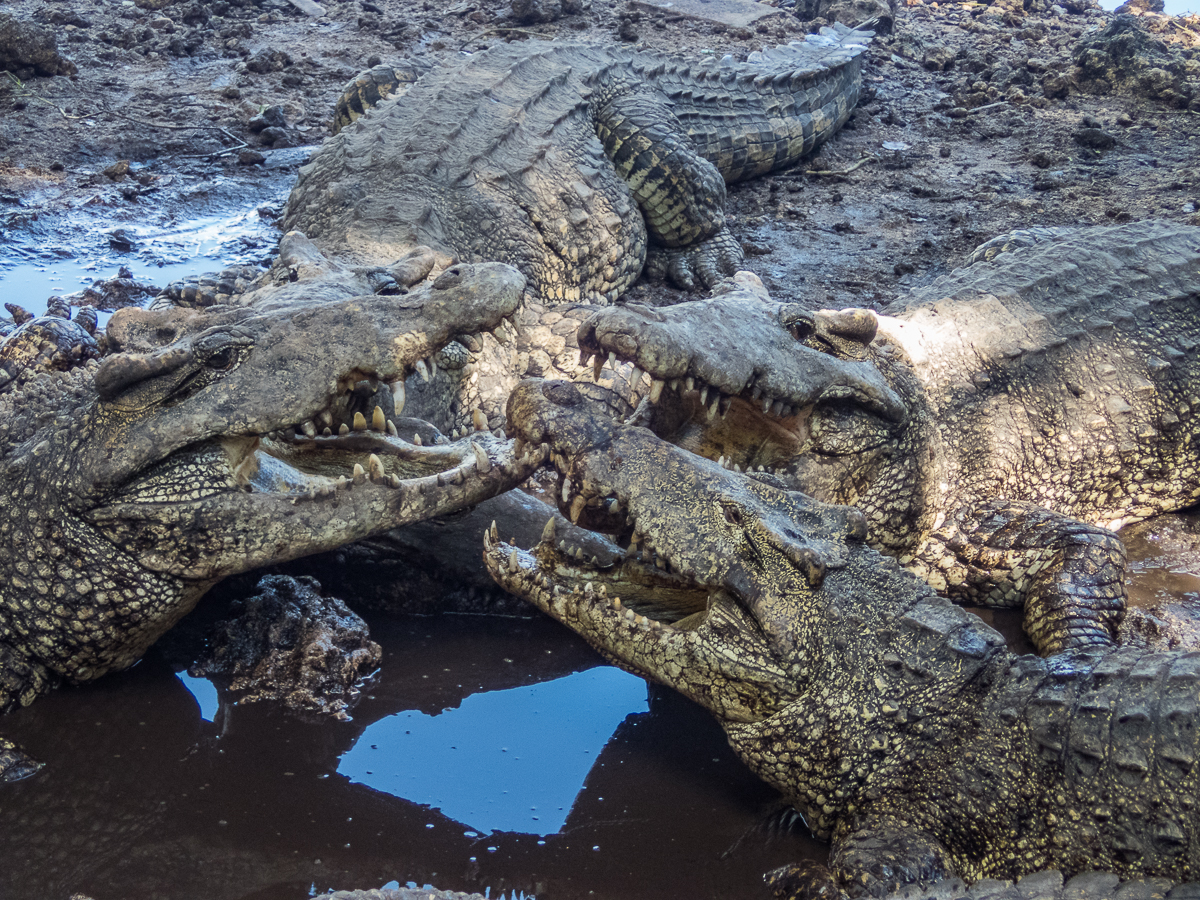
x=489 y=754
x=180 y=228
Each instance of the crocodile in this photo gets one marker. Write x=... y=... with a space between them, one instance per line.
x=1025 y=408
x=577 y=163
x=899 y=725
x=190 y=452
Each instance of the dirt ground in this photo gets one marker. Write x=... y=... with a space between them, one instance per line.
x=978 y=118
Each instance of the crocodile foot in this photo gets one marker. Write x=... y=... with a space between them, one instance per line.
x=702 y=264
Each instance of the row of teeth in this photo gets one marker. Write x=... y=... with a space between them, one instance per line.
x=728 y=463
x=640 y=546
x=479 y=463
x=322 y=424
x=591 y=590
x=716 y=402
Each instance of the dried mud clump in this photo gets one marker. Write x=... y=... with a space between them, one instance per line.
x=28 y=50
x=291 y=644
x=1126 y=56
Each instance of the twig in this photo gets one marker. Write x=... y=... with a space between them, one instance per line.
x=491 y=31
x=866 y=159
x=29 y=93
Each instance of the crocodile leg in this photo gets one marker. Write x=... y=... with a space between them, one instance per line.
x=681 y=194
x=1068 y=575
x=881 y=857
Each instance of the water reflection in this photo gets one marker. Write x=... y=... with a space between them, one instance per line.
x=502 y=761
x=141 y=794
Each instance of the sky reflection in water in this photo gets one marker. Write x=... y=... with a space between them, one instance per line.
x=509 y=760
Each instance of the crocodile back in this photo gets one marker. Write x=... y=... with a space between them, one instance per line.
x=1057 y=371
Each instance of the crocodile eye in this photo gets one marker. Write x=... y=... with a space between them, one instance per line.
x=733 y=515
x=222 y=359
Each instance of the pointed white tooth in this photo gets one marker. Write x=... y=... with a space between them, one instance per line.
x=656 y=389
x=432 y=367
x=629 y=614
x=379 y=421
x=416 y=439
x=513 y=566
x=721 y=461
x=395 y=481
x=566 y=491
x=391 y=429
x=577 y=506
x=309 y=429
x=704 y=395
x=479 y=420
x=494 y=531
x=422 y=370
x=343 y=429
x=325 y=418
x=616 y=603
x=482 y=463
x=766 y=404
x=326 y=433
x=548 y=531
x=689 y=383
x=614 y=507
x=375 y=467
x=360 y=474
x=399 y=398
x=360 y=422
x=714 y=406
x=675 y=385
x=737 y=468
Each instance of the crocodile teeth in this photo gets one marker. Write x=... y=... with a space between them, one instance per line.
x=566 y=491
x=614 y=507
x=376 y=468
x=689 y=383
x=766 y=404
x=482 y=463
x=344 y=429
x=360 y=422
x=548 y=531
x=326 y=433
x=378 y=420
x=656 y=389
x=399 y=398
x=704 y=395
x=513 y=566
x=391 y=429
x=714 y=407
x=394 y=481
x=360 y=474
x=416 y=439
x=577 y=506
x=423 y=370
x=309 y=429
x=597 y=368
x=479 y=420
x=494 y=531
x=675 y=385
x=616 y=603
x=325 y=418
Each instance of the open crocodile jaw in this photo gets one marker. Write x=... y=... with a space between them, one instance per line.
x=687 y=607
x=730 y=378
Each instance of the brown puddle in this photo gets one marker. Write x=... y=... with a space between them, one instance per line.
x=489 y=754
x=143 y=798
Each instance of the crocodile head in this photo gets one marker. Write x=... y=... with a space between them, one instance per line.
x=720 y=593
x=813 y=396
x=747 y=378
x=215 y=442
